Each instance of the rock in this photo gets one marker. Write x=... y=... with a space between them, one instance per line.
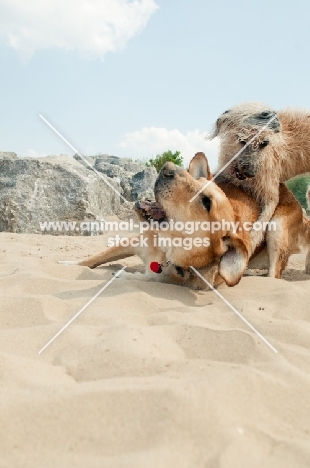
x=62 y=188
x=117 y=173
x=104 y=158
x=89 y=159
x=136 y=180
x=127 y=211
x=39 y=190
x=142 y=184
x=114 y=160
x=111 y=170
x=8 y=155
x=133 y=167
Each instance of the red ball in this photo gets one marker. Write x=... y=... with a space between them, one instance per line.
x=155 y=267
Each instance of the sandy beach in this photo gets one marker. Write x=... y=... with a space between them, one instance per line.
x=149 y=375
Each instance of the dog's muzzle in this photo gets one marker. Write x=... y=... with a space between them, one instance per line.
x=164 y=181
x=168 y=171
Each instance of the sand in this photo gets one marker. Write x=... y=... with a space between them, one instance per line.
x=149 y=375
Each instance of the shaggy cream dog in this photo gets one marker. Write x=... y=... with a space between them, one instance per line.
x=279 y=152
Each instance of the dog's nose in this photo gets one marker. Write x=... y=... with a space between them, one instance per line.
x=168 y=170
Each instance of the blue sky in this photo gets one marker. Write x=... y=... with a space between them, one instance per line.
x=135 y=79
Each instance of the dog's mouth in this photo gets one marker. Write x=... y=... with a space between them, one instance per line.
x=240 y=175
x=235 y=172
x=150 y=209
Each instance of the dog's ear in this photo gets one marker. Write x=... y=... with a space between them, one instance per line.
x=217 y=127
x=199 y=167
x=234 y=262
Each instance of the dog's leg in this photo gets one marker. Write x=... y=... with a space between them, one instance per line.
x=267 y=192
x=264 y=218
x=308 y=262
x=273 y=249
x=306 y=230
x=109 y=255
x=281 y=263
x=278 y=248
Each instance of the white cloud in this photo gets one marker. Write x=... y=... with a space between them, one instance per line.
x=31 y=153
x=92 y=27
x=150 y=141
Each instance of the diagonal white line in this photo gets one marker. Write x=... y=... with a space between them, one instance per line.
x=233 y=158
x=83 y=308
x=235 y=310
x=81 y=156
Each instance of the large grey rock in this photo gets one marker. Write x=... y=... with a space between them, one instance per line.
x=34 y=191
x=133 y=167
x=127 y=211
x=90 y=160
x=8 y=155
x=136 y=180
x=116 y=172
x=142 y=184
x=105 y=158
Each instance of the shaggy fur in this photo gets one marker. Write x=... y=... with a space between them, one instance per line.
x=280 y=152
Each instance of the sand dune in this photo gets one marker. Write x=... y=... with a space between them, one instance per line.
x=150 y=375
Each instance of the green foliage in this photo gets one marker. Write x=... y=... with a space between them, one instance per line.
x=161 y=159
x=298 y=186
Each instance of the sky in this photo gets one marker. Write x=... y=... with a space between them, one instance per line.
x=136 y=78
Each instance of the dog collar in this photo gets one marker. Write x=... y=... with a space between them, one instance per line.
x=158 y=268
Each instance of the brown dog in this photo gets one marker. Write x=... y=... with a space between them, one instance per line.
x=226 y=254
x=280 y=151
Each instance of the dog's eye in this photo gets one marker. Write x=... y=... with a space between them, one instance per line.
x=263 y=143
x=206 y=201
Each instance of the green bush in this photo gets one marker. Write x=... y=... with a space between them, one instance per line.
x=161 y=159
x=298 y=186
